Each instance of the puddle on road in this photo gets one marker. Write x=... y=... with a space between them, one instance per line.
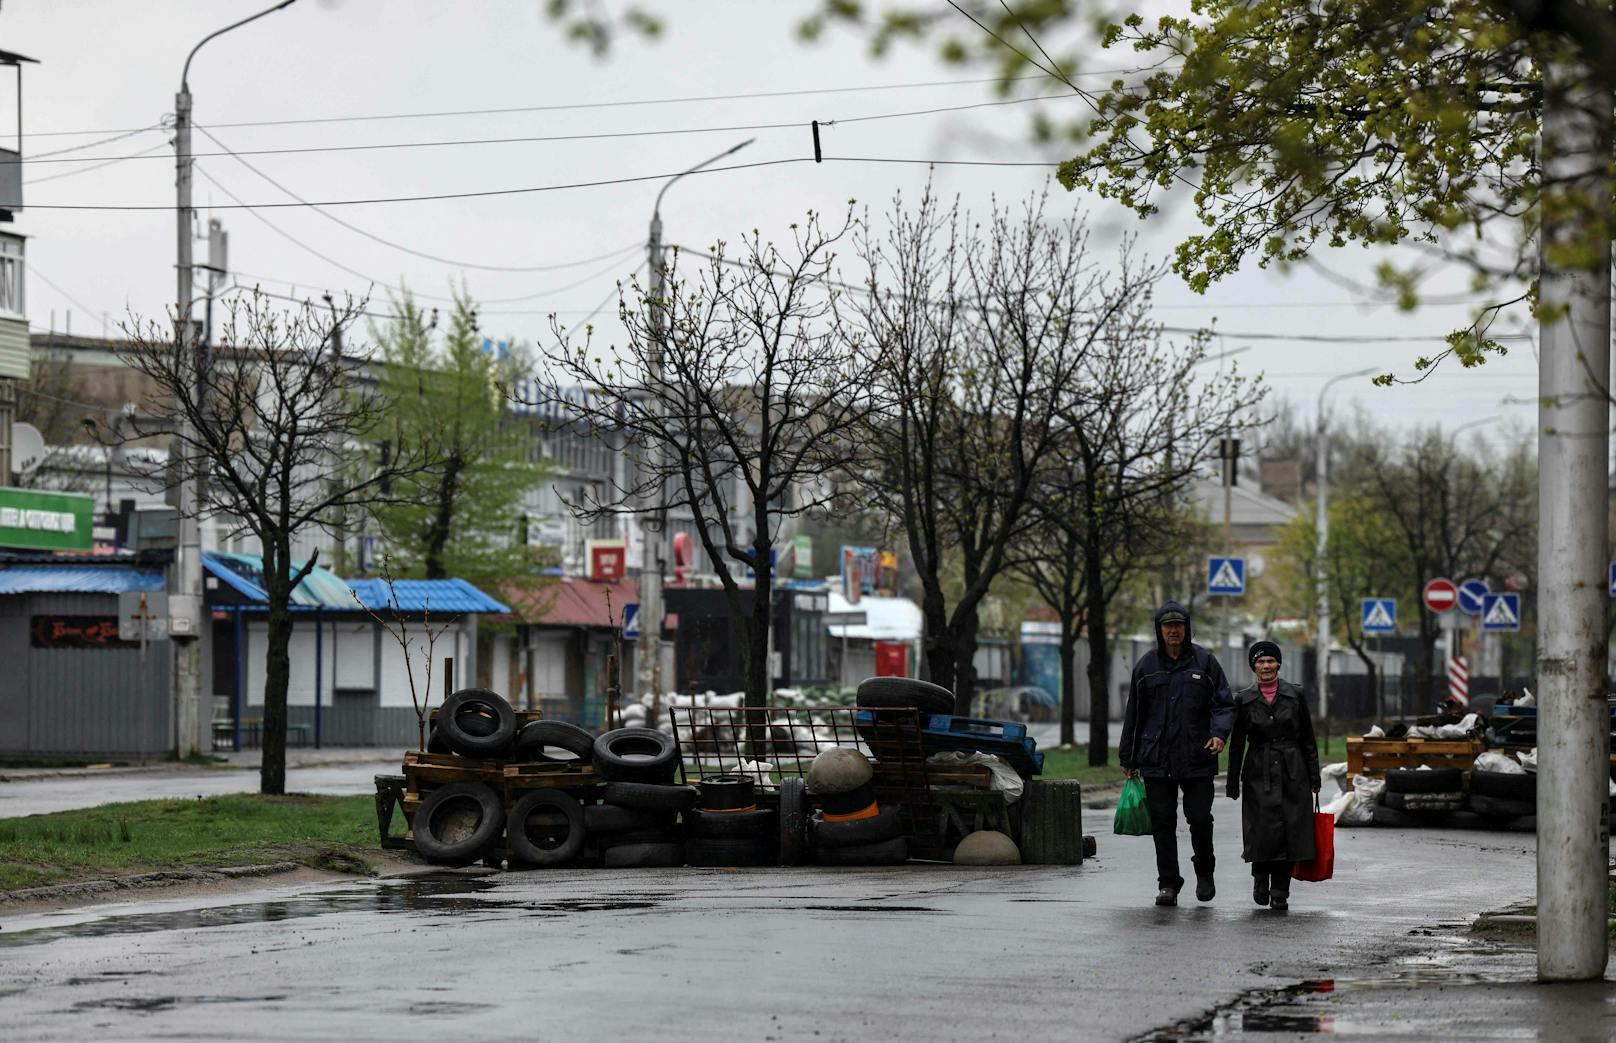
x=434 y=894
x=154 y=1004
x=1291 y=1009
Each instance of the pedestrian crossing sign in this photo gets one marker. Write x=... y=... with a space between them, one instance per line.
x=1501 y=612
x=1379 y=615
x=1226 y=576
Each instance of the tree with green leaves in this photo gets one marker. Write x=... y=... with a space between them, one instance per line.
x=460 y=513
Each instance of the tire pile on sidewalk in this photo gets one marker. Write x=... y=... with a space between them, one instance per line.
x=1482 y=798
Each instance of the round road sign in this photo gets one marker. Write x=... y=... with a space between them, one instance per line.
x=1440 y=595
x=1471 y=593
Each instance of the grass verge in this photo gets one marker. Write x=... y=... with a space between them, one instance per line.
x=323 y=832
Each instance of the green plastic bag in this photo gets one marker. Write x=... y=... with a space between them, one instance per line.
x=1133 y=818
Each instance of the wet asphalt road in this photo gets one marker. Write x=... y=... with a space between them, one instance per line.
x=39 y=796
x=918 y=952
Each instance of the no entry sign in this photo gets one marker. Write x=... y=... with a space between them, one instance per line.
x=1440 y=595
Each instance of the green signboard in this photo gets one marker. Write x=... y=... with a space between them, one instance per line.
x=37 y=520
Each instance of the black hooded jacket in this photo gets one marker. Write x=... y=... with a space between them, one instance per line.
x=1174 y=707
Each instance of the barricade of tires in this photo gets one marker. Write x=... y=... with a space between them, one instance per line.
x=615 y=801
x=1454 y=798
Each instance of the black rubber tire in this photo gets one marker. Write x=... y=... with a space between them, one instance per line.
x=887 y=853
x=533 y=738
x=793 y=822
x=1423 y=803
x=725 y=851
x=466 y=712
x=1421 y=780
x=726 y=792
x=1389 y=816
x=860 y=832
x=881 y=693
x=1501 y=809
x=854 y=800
x=636 y=755
x=610 y=818
x=435 y=742
x=650 y=796
x=665 y=835
x=717 y=825
x=1500 y=785
x=458 y=798
x=644 y=856
x=524 y=848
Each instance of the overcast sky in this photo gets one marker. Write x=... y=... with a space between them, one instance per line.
x=108 y=66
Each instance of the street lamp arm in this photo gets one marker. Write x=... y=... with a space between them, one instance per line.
x=1336 y=380
x=656 y=209
x=185 y=73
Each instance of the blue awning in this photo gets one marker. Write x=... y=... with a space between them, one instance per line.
x=77 y=579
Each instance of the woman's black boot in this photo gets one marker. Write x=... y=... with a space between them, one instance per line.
x=1280 y=891
x=1259 y=888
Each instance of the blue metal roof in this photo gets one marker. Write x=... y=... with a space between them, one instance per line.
x=77 y=579
x=448 y=596
x=324 y=590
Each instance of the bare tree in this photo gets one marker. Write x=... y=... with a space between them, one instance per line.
x=981 y=335
x=259 y=426
x=737 y=397
x=1113 y=499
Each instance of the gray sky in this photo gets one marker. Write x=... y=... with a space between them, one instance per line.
x=111 y=65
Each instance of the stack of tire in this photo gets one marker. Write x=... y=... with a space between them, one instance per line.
x=461 y=822
x=1418 y=796
x=1505 y=799
x=889 y=739
x=637 y=824
x=849 y=827
x=727 y=827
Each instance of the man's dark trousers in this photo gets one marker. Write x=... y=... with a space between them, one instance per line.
x=1161 y=796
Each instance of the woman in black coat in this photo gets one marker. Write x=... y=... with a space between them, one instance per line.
x=1274 y=761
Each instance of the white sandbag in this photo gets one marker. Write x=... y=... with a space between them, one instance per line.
x=1375 y=732
x=1336 y=771
x=1529 y=760
x=1500 y=763
x=1527 y=698
x=1368 y=788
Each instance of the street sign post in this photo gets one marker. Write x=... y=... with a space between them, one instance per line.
x=1440 y=595
x=1471 y=592
x=1226 y=576
x=1501 y=612
x=1379 y=615
x=631 y=621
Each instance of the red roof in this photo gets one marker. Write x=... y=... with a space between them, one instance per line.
x=571 y=602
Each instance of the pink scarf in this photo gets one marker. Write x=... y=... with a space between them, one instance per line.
x=1268 y=689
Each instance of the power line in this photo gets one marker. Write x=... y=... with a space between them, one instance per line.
x=433 y=197
x=601 y=136
x=98 y=166
x=33 y=270
x=578 y=106
x=37 y=157
x=407 y=249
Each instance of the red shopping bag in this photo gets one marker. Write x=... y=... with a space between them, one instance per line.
x=1322 y=865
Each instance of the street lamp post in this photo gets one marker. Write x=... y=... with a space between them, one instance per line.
x=185 y=603
x=649 y=647
x=1321 y=668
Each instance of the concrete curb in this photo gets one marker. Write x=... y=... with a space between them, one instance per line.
x=85 y=889
x=177 y=768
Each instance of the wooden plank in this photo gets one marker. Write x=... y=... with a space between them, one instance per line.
x=915 y=776
x=1375 y=757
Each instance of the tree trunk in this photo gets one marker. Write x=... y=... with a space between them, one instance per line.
x=443 y=519
x=1369 y=665
x=1068 y=695
x=939 y=640
x=277 y=674
x=1099 y=672
x=1428 y=667
x=965 y=663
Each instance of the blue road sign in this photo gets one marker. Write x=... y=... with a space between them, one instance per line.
x=1613 y=579
x=1501 y=612
x=1471 y=593
x=1379 y=615
x=631 y=620
x=1226 y=576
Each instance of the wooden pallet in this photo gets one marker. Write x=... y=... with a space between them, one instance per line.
x=1375 y=757
x=520 y=778
x=913 y=776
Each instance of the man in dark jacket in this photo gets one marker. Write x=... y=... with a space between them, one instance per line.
x=1178 y=718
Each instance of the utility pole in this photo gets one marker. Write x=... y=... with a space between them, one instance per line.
x=1321 y=592
x=648 y=651
x=187 y=624
x=1573 y=442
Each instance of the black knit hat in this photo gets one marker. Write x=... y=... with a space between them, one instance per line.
x=1262 y=648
